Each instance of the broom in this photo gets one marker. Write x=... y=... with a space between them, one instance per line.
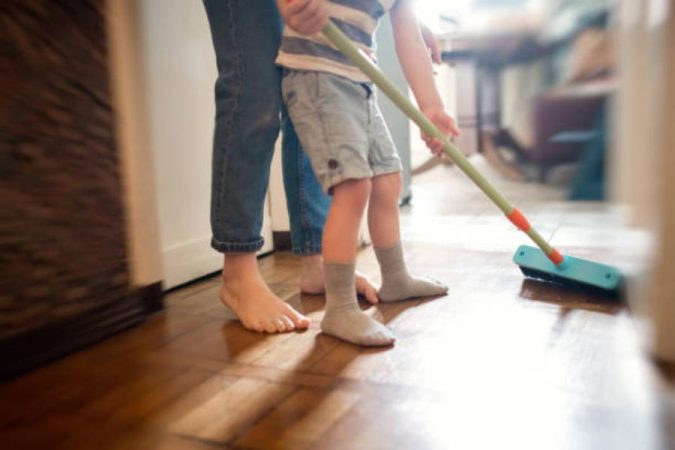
x=545 y=262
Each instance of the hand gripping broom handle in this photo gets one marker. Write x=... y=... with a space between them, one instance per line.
x=343 y=43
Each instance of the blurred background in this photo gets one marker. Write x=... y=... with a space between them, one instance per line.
x=106 y=119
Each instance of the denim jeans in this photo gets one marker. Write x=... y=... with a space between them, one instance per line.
x=249 y=113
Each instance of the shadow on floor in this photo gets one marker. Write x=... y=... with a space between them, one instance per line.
x=571 y=298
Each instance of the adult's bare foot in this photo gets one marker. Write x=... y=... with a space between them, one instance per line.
x=245 y=292
x=366 y=288
x=311 y=275
x=312 y=279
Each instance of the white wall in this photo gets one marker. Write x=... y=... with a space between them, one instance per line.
x=180 y=74
x=137 y=163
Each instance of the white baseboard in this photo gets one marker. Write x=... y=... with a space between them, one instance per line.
x=189 y=260
x=194 y=259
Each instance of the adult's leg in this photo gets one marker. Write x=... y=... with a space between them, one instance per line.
x=307 y=207
x=307 y=203
x=246 y=38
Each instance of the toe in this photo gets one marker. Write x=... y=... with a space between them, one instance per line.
x=280 y=325
x=438 y=283
x=385 y=338
x=289 y=325
x=378 y=339
x=389 y=338
x=269 y=326
x=366 y=288
x=301 y=322
x=370 y=293
x=255 y=326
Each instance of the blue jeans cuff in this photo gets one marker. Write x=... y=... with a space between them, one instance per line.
x=237 y=247
x=306 y=250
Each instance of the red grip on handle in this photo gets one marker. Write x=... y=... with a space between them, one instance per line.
x=518 y=219
x=555 y=257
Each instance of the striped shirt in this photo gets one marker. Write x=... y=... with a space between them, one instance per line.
x=358 y=19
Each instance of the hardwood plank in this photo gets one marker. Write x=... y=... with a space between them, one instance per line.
x=238 y=406
x=300 y=420
x=165 y=442
x=227 y=341
x=145 y=396
x=159 y=330
x=499 y=362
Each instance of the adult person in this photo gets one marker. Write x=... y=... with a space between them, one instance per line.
x=249 y=114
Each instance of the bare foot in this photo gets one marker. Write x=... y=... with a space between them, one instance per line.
x=311 y=275
x=252 y=301
x=366 y=288
x=312 y=279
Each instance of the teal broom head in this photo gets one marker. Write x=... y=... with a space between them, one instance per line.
x=575 y=272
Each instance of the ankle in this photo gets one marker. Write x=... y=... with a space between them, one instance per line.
x=312 y=263
x=342 y=308
x=240 y=267
x=391 y=260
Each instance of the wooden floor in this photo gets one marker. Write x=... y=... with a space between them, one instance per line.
x=499 y=363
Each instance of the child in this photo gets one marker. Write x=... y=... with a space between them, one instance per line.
x=332 y=105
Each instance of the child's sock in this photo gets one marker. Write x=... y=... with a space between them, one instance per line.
x=344 y=319
x=397 y=283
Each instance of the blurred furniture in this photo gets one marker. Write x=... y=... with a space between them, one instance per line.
x=489 y=56
x=589 y=181
x=564 y=121
x=65 y=277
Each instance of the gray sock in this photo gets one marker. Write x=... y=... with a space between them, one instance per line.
x=344 y=319
x=397 y=283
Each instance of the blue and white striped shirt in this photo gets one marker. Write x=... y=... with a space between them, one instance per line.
x=358 y=19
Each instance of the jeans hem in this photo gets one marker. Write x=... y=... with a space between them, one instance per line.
x=307 y=250
x=237 y=247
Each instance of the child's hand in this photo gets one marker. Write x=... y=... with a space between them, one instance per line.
x=304 y=16
x=445 y=122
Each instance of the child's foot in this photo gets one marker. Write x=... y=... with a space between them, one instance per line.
x=397 y=283
x=355 y=326
x=312 y=280
x=258 y=308
x=402 y=286
x=343 y=318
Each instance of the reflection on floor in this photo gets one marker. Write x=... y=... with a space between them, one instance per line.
x=499 y=362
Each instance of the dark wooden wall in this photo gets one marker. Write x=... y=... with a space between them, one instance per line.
x=62 y=231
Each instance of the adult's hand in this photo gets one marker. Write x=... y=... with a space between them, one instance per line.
x=304 y=16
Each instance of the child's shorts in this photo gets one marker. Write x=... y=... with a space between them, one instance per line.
x=339 y=126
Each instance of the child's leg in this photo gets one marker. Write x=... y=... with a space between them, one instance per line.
x=383 y=222
x=340 y=233
x=343 y=317
x=383 y=210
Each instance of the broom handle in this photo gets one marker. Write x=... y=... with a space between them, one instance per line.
x=344 y=44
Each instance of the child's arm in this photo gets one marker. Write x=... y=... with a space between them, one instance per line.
x=413 y=55
x=431 y=43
